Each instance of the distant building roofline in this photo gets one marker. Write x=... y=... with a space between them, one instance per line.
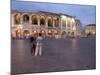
x=52 y=13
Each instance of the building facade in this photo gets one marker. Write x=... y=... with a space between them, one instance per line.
x=78 y=27
x=24 y=24
x=90 y=29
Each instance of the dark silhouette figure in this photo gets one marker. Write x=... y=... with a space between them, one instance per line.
x=33 y=44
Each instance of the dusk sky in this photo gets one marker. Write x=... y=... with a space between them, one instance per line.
x=85 y=13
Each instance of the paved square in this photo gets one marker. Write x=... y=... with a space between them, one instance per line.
x=58 y=55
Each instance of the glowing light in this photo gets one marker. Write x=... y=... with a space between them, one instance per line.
x=63 y=17
x=35 y=31
x=49 y=31
x=73 y=20
x=93 y=32
x=42 y=31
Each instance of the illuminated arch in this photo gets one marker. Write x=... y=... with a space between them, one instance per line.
x=17 y=18
x=56 y=21
x=64 y=33
x=18 y=33
x=25 y=18
x=34 y=19
x=50 y=22
x=26 y=33
x=42 y=20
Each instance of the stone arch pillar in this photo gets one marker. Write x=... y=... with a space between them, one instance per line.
x=46 y=24
x=38 y=17
x=53 y=22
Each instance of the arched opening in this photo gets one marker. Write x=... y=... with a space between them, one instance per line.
x=64 y=23
x=35 y=33
x=68 y=23
x=50 y=22
x=56 y=33
x=42 y=20
x=17 y=18
x=34 y=20
x=63 y=19
x=73 y=34
x=64 y=34
x=56 y=21
x=69 y=33
x=26 y=18
x=26 y=33
x=43 y=33
x=50 y=33
x=18 y=33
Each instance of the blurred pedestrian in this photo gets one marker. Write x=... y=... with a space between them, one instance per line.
x=33 y=44
x=39 y=45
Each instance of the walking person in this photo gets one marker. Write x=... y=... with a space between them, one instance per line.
x=39 y=45
x=33 y=44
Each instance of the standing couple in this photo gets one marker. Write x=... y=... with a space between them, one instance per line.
x=36 y=44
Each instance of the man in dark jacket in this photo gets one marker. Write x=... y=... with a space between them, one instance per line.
x=33 y=44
